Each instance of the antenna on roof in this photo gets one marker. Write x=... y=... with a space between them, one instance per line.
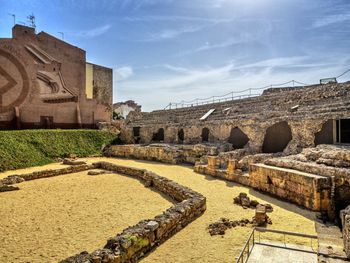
x=62 y=35
x=14 y=18
x=31 y=20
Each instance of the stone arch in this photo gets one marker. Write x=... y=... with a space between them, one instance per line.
x=205 y=135
x=238 y=138
x=181 y=135
x=158 y=136
x=277 y=137
x=325 y=135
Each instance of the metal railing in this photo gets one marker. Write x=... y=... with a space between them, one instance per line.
x=247 y=93
x=247 y=249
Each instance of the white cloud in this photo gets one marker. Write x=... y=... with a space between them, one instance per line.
x=173 y=33
x=123 y=73
x=90 y=33
x=156 y=18
x=188 y=84
x=224 y=44
x=330 y=20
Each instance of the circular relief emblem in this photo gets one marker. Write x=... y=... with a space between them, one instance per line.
x=14 y=82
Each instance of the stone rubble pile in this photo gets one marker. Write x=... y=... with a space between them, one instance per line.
x=219 y=227
x=325 y=160
x=97 y=172
x=72 y=161
x=8 y=188
x=261 y=218
x=243 y=200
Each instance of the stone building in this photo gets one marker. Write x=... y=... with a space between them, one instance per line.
x=47 y=83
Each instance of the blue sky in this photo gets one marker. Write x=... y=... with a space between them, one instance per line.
x=173 y=50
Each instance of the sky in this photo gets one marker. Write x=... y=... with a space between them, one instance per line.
x=165 y=51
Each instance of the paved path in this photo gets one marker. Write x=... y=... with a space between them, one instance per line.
x=330 y=242
x=268 y=252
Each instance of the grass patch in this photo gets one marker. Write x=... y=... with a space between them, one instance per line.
x=26 y=148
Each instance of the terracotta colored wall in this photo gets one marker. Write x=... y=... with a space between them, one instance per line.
x=44 y=76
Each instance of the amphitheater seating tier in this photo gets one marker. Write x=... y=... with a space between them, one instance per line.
x=312 y=101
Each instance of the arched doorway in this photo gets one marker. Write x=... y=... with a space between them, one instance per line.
x=158 y=136
x=181 y=135
x=325 y=135
x=205 y=135
x=277 y=138
x=238 y=138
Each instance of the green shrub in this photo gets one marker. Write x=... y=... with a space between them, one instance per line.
x=25 y=148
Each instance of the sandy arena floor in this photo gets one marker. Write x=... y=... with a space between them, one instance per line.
x=50 y=219
x=192 y=244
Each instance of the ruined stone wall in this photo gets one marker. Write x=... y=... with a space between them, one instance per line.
x=7 y=182
x=173 y=154
x=138 y=240
x=345 y=222
x=307 y=190
x=14 y=179
x=302 y=133
x=42 y=84
x=324 y=170
x=303 y=110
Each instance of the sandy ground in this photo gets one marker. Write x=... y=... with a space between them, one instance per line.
x=50 y=219
x=32 y=169
x=192 y=244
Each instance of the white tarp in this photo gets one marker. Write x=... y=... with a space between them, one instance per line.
x=207 y=114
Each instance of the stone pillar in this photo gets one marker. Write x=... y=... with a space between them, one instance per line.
x=260 y=215
x=212 y=163
x=231 y=169
x=231 y=166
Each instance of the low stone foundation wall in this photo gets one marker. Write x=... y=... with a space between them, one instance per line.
x=173 y=154
x=308 y=190
x=134 y=242
x=19 y=178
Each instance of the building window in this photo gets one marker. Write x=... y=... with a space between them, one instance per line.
x=343 y=131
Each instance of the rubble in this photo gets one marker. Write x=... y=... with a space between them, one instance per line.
x=71 y=161
x=96 y=172
x=8 y=188
x=261 y=218
x=219 y=227
x=243 y=200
